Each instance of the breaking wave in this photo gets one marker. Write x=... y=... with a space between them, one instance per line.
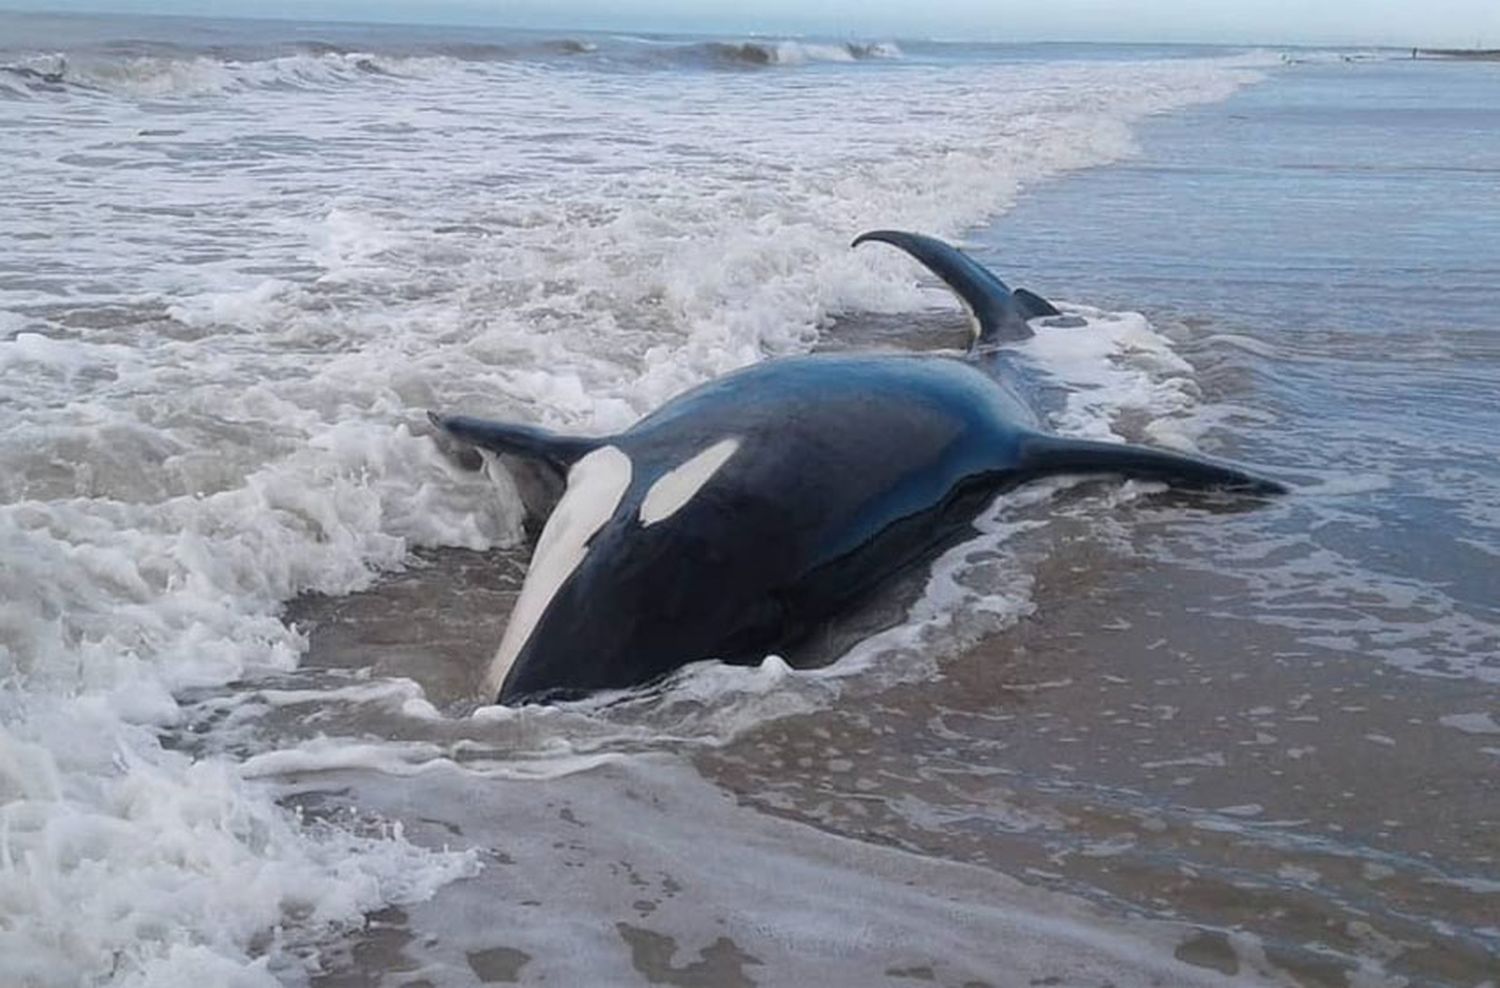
x=769 y=53
x=156 y=70
x=214 y=421
x=155 y=76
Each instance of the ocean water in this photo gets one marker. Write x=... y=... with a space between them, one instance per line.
x=245 y=601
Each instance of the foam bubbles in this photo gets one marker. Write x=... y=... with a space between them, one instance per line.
x=120 y=860
x=323 y=244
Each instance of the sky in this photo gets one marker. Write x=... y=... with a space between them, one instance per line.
x=1430 y=23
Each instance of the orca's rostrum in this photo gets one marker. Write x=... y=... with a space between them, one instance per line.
x=738 y=517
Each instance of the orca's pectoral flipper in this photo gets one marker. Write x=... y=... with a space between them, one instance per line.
x=998 y=313
x=1042 y=455
x=525 y=441
x=538 y=460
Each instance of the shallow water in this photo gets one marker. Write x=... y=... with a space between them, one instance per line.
x=1119 y=737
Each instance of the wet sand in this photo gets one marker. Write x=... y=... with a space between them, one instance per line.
x=1139 y=750
x=1118 y=745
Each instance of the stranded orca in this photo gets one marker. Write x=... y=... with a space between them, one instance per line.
x=738 y=517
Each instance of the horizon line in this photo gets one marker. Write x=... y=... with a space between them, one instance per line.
x=687 y=32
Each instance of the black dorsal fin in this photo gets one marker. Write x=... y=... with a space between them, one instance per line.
x=1032 y=305
x=526 y=441
x=997 y=317
x=1042 y=455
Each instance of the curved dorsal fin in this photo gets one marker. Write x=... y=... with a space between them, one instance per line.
x=998 y=313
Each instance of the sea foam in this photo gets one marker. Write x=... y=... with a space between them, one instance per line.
x=323 y=244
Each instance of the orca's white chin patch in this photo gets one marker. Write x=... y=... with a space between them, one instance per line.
x=596 y=483
x=677 y=486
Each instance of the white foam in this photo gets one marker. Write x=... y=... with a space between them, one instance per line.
x=796 y=52
x=1114 y=365
x=146 y=867
x=204 y=426
x=1476 y=723
x=158 y=77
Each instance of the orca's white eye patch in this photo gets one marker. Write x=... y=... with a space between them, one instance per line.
x=596 y=483
x=677 y=486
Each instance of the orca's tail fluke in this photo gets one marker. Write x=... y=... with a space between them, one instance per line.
x=1032 y=305
x=999 y=314
x=1043 y=455
x=525 y=441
